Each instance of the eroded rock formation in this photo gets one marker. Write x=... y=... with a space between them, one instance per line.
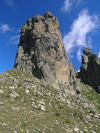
x=72 y=76
x=41 y=51
x=90 y=69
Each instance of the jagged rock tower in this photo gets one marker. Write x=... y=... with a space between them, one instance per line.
x=90 y=69
x=41 y=50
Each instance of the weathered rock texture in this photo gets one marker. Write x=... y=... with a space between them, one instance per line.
x=90 y=69
x=72 y=70
x=41 y=50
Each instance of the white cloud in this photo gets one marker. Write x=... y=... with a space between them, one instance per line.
x=4 y=28
x=78 y=70
x=9 y=31
x=9 y=2
x=69 y=3
x=78 y=2
x=99 y=54
x=14 y=40
x=78 y=37
x=79 y=54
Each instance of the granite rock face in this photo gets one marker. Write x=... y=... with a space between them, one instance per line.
x=90 y=69
x=41 y=51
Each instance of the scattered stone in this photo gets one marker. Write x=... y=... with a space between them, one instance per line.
x=68 y=102
x=88 y=118
x=44 y=84
x=34 y=106
x=27 y=91
x=28 y=80
x=15 y=132
x=39 y=130
x=77 y=87
x=43 y=108
x=93 y=131
x=14 y=94
x=97 y=116
x=41 y=105
x=82 y=99
x=1 y=91
x=33 y=100
x=91 y=114
x=15 y=108
x=11 y=87
x=61 y=124
x=39 y=93
x=86 y=105
x=76 y=130
x=81 y=132
x=4 y=124
x=92 y=109
x=1 y=103
x=41 y=102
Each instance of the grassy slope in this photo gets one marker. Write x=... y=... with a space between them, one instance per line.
x=23 y=113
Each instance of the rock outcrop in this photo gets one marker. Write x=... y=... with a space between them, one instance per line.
x=41 y=51
x=73 y=72
x=90 y=69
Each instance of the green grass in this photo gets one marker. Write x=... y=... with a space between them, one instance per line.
x=61 y=107
x=78 y=92
x=67 y=121
x=57 y=114
x=75 y=114
x=19 y=85
x=24 y=125
x=39 y=108
x=74 y=82
x=18 y=113
x=7 y=96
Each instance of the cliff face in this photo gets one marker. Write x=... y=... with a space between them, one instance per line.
x=90 y=69
x=41 y=51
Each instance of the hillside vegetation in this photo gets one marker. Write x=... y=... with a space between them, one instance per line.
x=28 y=105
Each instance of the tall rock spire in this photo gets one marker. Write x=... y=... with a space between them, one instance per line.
x=41 y=51
x=90 y=69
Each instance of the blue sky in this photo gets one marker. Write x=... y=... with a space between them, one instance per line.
x=79 y=25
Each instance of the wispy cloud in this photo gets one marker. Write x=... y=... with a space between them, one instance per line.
x=79 y=54
x=69 y=3
x=78 y=2
x=4 y=28
x=11 y=33
x=9 y=2
x=14 y=40
x=79 y=35
x=99 y=54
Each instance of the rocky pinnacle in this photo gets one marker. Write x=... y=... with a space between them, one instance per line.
x=41 y=51
x=90 y=69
